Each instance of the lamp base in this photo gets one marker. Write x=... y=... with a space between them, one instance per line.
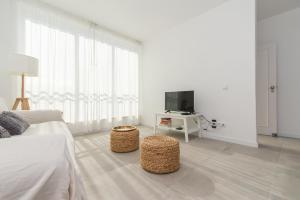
x=24 y=104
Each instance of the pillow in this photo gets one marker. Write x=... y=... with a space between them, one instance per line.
x=17 y=117
x=4 y=133
x=3 y=106
x=13 y=123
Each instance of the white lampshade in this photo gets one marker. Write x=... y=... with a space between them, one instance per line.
x=23 y=64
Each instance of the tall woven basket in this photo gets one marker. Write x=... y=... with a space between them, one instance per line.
x=124 y=139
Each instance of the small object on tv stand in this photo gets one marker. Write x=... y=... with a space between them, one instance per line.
x=186 y=113
x=165 y=121
x=179 y=128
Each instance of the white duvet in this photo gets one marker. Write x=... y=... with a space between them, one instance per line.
x=40 y=165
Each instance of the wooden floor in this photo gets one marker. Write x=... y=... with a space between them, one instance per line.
x=210 y=169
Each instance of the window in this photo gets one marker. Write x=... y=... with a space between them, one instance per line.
x=93 y=81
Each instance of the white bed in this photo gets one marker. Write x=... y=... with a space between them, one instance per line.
x=40 y=164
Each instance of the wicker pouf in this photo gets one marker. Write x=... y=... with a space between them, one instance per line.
x=160 y=154
x=124 y=139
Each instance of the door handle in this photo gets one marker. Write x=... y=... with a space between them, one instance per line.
x=272 y=88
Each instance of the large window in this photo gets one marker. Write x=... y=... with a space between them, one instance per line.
x=91 y=78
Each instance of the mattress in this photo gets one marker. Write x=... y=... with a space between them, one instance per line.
x=40 y=164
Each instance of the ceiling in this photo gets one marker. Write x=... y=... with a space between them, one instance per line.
x=138 y=19
x=269 y=8
x=143 y=19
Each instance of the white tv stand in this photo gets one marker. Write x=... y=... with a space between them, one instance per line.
x=191 y=123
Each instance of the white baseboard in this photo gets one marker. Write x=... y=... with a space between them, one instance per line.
x=289 y=135
x=231 y=140
x=267 y=134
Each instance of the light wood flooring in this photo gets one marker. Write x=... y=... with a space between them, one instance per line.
x=210 y=169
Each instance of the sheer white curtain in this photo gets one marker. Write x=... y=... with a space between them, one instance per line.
x=89 y=74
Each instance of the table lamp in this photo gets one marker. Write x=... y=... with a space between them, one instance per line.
x=24 y=66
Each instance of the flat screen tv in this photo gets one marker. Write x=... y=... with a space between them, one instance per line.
x=182 y=101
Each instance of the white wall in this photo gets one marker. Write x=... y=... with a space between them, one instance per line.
x=214 y=55
x=6 y=46
x=284 y=31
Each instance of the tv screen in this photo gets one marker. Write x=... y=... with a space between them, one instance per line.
x=179 y=101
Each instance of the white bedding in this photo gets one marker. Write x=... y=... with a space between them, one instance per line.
x=40 y=164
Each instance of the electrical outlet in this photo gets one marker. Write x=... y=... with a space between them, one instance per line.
x=215 y=124
x=207 y=124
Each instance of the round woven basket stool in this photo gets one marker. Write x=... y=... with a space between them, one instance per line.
x=124 y=139
x=160 y=154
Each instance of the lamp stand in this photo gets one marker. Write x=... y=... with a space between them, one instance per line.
x=24 y=101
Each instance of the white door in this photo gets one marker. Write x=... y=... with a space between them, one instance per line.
x=266 y=90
